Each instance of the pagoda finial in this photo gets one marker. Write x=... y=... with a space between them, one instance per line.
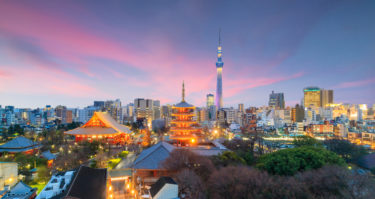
x=183 y=91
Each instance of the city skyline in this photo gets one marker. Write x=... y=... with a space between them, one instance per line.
x=75 y=53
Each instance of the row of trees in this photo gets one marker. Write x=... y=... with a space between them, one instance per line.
x=312 y=169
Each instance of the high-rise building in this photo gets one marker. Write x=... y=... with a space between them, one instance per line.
x=241 y=108
x=99 y=104
x=298 y=114
x=210 y=100
x=219 y=84
x=326 y=97
x=312 y=97
x=144 y=109
x=60 y=112
x=156 y=109
x=276 y=100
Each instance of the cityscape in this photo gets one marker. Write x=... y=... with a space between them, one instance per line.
x=190 y=100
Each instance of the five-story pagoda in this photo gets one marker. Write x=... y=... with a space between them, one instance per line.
x=184 y=130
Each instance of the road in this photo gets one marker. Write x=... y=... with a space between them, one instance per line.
x=127 y=162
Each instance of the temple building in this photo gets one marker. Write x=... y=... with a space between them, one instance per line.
x=101 y=127
x=184 y=129
x=20 y=145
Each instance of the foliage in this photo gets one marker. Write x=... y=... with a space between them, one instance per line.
x=350 y=152
x=43 y=174
x=25 y=162
x=227 y=158
x=190 y=185
x=306 y=141
x=291 y=161
x=113 y=162
x=180 y=159
x=15 y=129
x=243 y=148
x=146 y=139
x=123 y=154
x=327 y=182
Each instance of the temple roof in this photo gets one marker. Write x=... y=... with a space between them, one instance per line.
x=19 y=144
x=101 y=123
x=152 y=157
x=183 y=104
x=20 y=191
x=89 y=183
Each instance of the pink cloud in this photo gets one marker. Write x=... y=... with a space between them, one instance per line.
x=236 y=86
x=4 y=74
x=355 y=83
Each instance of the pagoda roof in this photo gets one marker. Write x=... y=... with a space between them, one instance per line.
x=183 y=104
x=19 y=144
x=101 y=123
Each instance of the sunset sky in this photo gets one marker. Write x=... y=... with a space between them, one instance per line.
x=75 y=52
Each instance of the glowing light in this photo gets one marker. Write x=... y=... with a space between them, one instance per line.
x=192 y=140
x=110 y=188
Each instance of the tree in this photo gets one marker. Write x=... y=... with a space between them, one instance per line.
x=350 y=152
x=228 y=158
x=43 y=174
x=305 y=141
x=326 y=182
x=291 y=161
x=180 y=159
x=243 y=148
x=190 y=186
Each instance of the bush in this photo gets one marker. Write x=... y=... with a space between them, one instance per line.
x=123 y=154
x=291 y=161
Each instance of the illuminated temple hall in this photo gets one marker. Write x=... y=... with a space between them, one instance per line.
x=184 y=130
x=101 y=127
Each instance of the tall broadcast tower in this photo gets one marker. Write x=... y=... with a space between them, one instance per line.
x=219 y=68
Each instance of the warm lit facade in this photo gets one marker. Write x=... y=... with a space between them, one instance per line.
x=101 y=127
x=184 y=129
x=312 y=97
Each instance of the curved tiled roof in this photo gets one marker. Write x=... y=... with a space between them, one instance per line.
x=110 y=126
x=151 y=158
x=183 y=104
x=18 y=143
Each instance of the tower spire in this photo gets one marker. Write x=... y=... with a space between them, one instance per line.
x=183 y=91
x=219 y=36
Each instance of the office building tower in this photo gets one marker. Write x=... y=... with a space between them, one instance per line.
x=60 y=112
x=156 y=109
x=326 y=97
x=99 y=104
x=312 y=97
x=241 y=108
x=297 y=114
x=219 y=69
x=276 y=100
x=144 y=109
x=210 y=100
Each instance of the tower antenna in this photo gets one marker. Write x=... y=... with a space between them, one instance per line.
x=219 y=36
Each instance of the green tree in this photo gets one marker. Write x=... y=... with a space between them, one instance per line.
x=228 y=158
x=350 y=152
x=291 y=161
x=305 y=141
